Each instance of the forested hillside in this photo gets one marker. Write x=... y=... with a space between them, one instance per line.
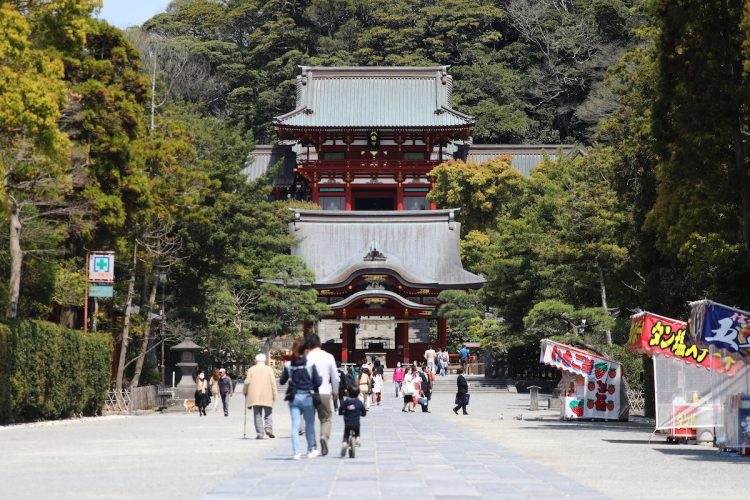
x=134 y=141
x=530 y=70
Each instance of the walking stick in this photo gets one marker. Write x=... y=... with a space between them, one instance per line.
x=244 y=425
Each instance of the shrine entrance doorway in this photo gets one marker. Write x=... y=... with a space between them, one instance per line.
x=374 y=199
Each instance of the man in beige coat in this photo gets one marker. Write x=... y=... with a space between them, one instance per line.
x=260 y=393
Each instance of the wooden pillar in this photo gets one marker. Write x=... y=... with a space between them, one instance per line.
x=404 y=333
x=442 y=325
x=345 y=342
x=348 y=195
x=314 y=187
x=306 y=327
x=399 y=196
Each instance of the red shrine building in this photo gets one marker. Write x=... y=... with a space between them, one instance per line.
x=360 y=143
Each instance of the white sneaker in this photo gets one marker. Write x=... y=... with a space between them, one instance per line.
x=296 y=456
x=313 y=454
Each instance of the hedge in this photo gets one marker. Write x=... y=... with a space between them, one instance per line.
x=50 y=372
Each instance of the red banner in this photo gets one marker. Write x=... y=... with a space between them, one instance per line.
x=652 y=334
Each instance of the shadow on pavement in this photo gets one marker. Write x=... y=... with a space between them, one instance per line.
x=699 y=453
x=631 y=441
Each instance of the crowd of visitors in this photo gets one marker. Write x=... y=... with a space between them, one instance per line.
x=316 y=386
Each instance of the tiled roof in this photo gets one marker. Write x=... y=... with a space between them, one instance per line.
x=262 y=157
x=374 y=97
x=424 y=242
x=524 y=157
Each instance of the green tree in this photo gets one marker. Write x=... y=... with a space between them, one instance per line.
x=285 y=300
x=33 y=151
x=481 y=190
x=701 y=213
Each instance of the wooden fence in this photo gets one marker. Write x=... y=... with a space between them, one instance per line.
x=127 y=401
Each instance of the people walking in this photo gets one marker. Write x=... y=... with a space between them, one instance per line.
x=377 y=387
x=365 y=386
x=215 y=392
x=226 y=388
x=260 y=394
x=201 y=394
x=444 y=360
x=429 y=357
x=325 y=365
x=408 y=390
x=427 y=379
x=462 y=394
x=304 y=381
x=398 y=379
x=463 y=355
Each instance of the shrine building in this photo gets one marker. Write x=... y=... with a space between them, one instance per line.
x=360 y=143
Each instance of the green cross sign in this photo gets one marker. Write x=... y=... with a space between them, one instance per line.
x=101 y=267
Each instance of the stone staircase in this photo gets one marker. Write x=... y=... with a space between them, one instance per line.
x=476 y=384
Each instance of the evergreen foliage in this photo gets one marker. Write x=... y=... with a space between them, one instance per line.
x=52 y=372
x=128 y=141
x=528 y=70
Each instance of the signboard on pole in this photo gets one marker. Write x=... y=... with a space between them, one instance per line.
x=101 y=291
x=102 y=267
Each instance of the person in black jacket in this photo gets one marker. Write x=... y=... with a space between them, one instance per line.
x=426 y=387
x=351 y=408
x=462 y=396
x=304 y=381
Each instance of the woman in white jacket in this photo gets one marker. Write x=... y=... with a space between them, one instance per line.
x=408 y=390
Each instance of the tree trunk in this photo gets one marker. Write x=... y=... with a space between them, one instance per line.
x=126 y=322
x=147 y=329
x=603 y=290
x=67 y=317
x=16 y=261
x=152 y=124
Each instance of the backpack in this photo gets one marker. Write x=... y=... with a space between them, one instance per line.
x=290 y=389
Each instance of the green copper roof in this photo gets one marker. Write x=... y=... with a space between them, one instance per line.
x=374 y=97
x=523 y=157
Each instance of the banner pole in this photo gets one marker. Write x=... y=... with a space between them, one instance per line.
x=86 y=297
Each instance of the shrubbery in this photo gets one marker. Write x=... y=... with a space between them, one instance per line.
x=51 y=372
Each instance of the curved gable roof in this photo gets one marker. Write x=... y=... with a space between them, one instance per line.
x=423 y=245
x=374 y=97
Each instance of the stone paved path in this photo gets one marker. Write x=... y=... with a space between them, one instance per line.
x=413 y=455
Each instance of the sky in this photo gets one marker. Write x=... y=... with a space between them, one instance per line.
x=125 y=13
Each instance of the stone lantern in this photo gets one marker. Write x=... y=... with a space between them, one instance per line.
x=186 y=387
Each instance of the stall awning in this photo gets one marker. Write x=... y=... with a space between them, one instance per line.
x=574 y=360
x=651 y=334
x=602 y=395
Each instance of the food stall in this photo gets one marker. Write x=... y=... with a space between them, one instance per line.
x=591 y=387
x=725 y=332
x=682 y=376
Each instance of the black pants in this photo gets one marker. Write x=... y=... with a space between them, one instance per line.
x=461 y=402
x=200 y=402
x=348 y=428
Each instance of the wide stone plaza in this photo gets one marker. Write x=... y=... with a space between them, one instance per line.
x=524 y=454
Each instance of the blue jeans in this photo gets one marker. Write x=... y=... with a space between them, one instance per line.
x=398 y=388
x=302 y=405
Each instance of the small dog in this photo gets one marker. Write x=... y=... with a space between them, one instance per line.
x=189 y=405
